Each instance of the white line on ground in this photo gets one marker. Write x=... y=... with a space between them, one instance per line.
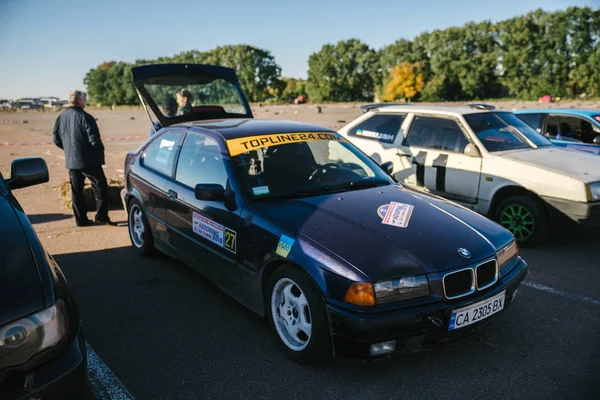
x=103 y=382
x=572 y=296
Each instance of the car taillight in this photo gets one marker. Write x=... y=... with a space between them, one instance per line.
x=596 y=117
x=129 y=159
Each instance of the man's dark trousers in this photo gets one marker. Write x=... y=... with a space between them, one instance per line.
x=100 y=188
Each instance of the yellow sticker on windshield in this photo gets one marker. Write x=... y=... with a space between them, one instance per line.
x=244 y=144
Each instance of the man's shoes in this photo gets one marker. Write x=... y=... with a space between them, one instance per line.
x=86 y=222
x=104 y=222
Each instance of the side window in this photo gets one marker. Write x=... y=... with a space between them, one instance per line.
x=568 y=126
x=160 y=154
x=436 y=133
x=200 y=161
x=533 y=120
x=383 y=128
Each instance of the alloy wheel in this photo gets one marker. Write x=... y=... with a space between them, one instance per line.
x=519 y=220
x=136 y=226
x=291 y=314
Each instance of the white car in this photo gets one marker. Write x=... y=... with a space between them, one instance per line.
x=486 y=160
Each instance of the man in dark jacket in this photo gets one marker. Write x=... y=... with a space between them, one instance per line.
x=76 y=132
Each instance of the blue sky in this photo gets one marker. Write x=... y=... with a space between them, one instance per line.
x=46 y=47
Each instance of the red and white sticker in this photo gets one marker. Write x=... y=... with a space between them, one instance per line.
x=395 y=214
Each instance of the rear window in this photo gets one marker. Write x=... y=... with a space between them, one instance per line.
x=380 y=127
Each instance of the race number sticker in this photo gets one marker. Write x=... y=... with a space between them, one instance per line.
x=284 y=246
x=395 y=214
x=214 y=232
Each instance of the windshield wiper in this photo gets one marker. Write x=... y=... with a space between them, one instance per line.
x=344 y=187
x=355 y=185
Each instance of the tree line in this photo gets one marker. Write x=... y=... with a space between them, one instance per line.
x=556 y=53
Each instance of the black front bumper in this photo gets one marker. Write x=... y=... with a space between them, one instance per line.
x=413 y=328
x=585 y=214
x=62 y=377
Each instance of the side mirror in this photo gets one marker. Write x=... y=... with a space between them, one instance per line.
x=388 y=167
x=26 y=172
x=209 y=192
x=472 y=151
x=597 y=139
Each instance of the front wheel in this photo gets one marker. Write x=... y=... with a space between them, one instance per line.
x=526 y=218
x=139 y=230
x=297 y=314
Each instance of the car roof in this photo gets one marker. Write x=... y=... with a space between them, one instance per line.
x=244 y=127
x=450 y=110
x=574 y=111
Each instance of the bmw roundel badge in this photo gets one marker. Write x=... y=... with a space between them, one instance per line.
x=464 y=252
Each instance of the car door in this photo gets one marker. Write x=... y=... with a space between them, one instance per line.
x=203 y=230
x=157 y=163
x=435 y=145
x=379 y=137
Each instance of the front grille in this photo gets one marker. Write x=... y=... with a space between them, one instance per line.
x=458 y=284
x=486 y=274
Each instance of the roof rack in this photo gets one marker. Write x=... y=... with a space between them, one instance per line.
x=481 y=106
x=368 y=107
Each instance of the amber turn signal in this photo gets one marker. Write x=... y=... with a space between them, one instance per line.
x=360 y=294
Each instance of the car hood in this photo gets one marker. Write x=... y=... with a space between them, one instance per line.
x=19 y=278
x=576 y=164
x=349 y=225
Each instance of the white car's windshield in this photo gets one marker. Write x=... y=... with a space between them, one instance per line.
x=500 y=131
x=306 y=168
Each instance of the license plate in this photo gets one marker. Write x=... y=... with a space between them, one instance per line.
x=476 y=312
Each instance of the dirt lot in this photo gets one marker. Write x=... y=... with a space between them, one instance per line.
x=168 y=333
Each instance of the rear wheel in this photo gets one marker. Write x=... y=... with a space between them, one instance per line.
x=297 y=315
x=139 y=230
x=526 y=218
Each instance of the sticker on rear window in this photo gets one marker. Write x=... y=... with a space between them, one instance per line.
x=284 y=246
x=214 y=232
x=395 y=214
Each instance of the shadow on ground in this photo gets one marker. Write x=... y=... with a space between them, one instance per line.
x=42 y=218
x=167 y=332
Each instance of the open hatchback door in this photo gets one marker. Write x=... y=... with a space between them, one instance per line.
x=190 y=92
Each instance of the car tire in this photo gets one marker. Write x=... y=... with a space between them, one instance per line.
x=294 y=306
x=526 y=218
x=139 y=230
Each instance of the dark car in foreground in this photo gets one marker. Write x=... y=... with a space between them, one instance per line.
x=42 y=351
x=300 y=226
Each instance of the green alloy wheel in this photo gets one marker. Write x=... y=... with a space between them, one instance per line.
x=519 y=221
x=525 y=217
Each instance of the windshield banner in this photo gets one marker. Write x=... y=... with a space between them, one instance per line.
x=244 y=144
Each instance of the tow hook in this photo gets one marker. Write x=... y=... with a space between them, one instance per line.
x=436 y=321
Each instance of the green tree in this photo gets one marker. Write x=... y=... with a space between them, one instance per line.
x=256 y=68
x=293 y=87
x=342 y=72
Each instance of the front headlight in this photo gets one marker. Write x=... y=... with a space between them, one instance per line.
x=402 y=289
x=594 y=191
x=24 y=338
x=506 y=254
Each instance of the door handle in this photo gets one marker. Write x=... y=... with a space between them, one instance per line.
x=172 y=194
x=404 y=155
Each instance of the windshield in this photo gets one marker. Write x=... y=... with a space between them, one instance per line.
x=175 y=99
x=312 y=164
x=500 y=131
